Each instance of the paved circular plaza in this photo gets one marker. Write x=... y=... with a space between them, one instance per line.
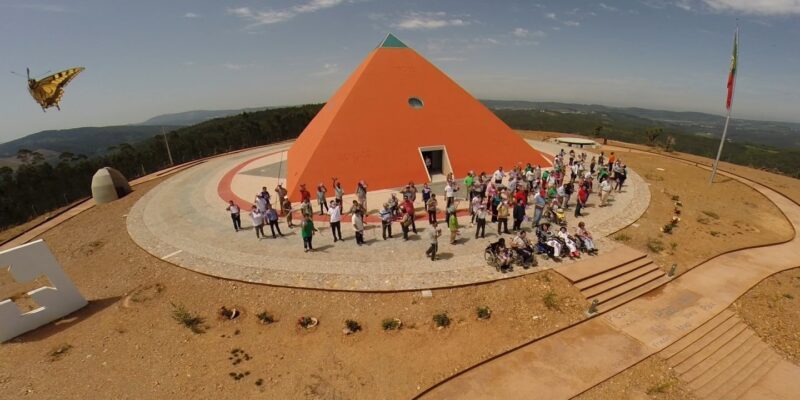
x=183 y=221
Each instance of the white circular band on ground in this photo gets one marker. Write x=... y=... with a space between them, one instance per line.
x=184 y=218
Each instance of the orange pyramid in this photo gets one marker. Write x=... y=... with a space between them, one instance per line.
x=395 y=107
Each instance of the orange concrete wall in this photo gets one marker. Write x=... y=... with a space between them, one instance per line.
x=368 y=131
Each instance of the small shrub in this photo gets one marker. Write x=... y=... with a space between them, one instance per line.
x=550 y=300
x=711 y=214
x=621 y=237
x=352 y=326
x=667 y=228
x=229 y=313
x=265 y=318
x=59 y=352
x=659 y=388
x=484 y=313
x=714 y=233
x=675 y=197
x=673 y=246
x=185 y=318
x=391 y=324
x=441 y=320
x=307 y=322
x=703 y=220
x=655 y=245
x=788 y=296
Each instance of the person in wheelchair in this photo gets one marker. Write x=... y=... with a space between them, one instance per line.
x=499 y=255
x=569 y=242
x=523 y=247
x=585 y=237
x=547 y=243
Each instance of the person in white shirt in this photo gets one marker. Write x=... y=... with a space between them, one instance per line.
x=261 y=203
x=605 y=189
x=335 y=212
x=258 y=221
x=573 y=247
x=449 y=194
x=235 y=216
x=498 y=176
x=530 y=178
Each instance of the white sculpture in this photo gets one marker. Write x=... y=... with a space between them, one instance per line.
x=26 y=263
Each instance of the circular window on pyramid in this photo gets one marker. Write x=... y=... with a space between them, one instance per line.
x=415 y=102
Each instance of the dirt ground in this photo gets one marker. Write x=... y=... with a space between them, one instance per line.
x=125 y=344
x=772 y=309
x=650 y=379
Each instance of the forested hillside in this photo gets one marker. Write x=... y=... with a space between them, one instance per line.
x=37 y=186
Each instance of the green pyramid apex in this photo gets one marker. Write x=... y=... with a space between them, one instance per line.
x=392 y=42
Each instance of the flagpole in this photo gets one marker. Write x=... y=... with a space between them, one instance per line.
x=729 y=102
x=721 y=143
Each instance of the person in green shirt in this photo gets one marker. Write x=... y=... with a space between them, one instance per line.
x=469 y=181
x=453 y=225
x=307 y=232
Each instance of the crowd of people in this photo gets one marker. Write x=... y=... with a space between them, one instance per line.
x=528 y=194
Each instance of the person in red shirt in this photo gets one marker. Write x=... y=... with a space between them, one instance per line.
x=520 y=195
x=305 y=195
x=408 y=208
x=583 y=197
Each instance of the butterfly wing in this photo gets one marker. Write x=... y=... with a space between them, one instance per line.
x=49 y=90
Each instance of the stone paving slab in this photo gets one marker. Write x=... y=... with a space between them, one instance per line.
x=185 y=218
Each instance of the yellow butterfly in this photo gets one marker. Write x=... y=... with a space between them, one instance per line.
x=49 y=90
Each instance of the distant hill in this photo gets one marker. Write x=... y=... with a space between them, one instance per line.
x=88 y=141
x=97 y=140
x=770 y=133
x=188 y=118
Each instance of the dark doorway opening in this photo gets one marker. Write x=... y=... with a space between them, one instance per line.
x=433 y=161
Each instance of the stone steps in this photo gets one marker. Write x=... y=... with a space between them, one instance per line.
x=588 y=268
x=614 y=278
x=632 y=294
x=721 y=359
x=619 y=280
x=612 y=273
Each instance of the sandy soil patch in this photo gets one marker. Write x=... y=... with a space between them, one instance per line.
x=772 y=309
x=713 y=218
x=650 y=379
x=126 y=344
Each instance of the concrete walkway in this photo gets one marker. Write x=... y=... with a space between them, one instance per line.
x=574 y=360
x=183 y=221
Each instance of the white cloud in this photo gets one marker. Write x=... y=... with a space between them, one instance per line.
x=524 y=33
x=237 y=67
x=449 y=59
x=429 y=20
x=572 y=23
x=258 y=18
x=327 y=69
x=684 y=5
x=191 y=15
x=550 y=15
x=758 y=7
x=607 y=7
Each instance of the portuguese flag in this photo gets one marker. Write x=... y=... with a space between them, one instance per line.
x=732 y=73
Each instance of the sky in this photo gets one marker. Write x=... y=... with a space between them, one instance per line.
x=144 y=58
